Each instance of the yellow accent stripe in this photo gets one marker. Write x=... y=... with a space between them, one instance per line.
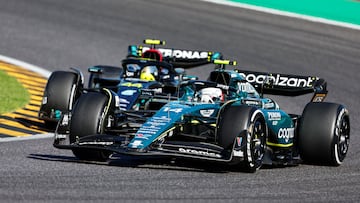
x=197 y=122
x=225 y=62
x=165 y=133
x=154 y=42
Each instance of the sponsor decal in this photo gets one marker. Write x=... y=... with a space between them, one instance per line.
x=130 y=74
x=279 y=80
x=274 y=116
x=96 y=143
x=153 y=126
x=130 y=84
x=286 y=134
x=183 y=54
x=161 y=119
x=147 y=93
x=251 y=102
x=155 y=123
x=199 y=152
x=150 y=92
x=269 y=105
x=238 y=153
x=128 y=92
x=319 y=98
x=237 y=149
x=169 y=109
x=238 y=141
x=136 y=143
x=147 y=131
x=224 y=87
x=207 y=112
x=142 y=136
x=65 y=120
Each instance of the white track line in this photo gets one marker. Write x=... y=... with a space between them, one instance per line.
x=31 y=137
x=38 y=70
x=285 y=13
x=25 y=65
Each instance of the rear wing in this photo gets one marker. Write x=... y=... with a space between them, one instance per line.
x=286 y=85
x=177 y=57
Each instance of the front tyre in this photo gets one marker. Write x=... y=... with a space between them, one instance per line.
x=88 y=118
x=255 y=144
x=324 y=133
x=59 y=95
x=248 y=124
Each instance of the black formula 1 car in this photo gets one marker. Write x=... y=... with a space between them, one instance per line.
x=144 y=68
x=226 y=119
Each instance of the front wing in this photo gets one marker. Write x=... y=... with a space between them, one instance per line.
x=178 y=149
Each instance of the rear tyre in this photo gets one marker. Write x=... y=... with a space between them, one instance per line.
x=249 y=124
x=324 y=133
x=59 y=95
x=88 y=118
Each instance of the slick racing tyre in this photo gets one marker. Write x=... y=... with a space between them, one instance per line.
x=88 y=118
x=249 y=124
x=59 y=95
x=324 y=133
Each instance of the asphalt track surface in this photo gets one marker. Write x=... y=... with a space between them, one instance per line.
x=56 y=35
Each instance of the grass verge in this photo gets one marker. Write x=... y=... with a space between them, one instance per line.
x=12 y=94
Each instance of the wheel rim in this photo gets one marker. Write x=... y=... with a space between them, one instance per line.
x=258 y=143
x=343 y=138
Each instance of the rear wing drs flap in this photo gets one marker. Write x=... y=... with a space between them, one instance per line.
x=286 y=85
x=177 y=57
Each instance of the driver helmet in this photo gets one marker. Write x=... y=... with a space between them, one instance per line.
x=210 y=95
x=149 y=73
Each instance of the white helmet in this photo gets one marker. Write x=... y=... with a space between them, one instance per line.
x=210 y=95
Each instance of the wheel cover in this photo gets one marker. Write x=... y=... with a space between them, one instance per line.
x=343 y=132
x=257 y=145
